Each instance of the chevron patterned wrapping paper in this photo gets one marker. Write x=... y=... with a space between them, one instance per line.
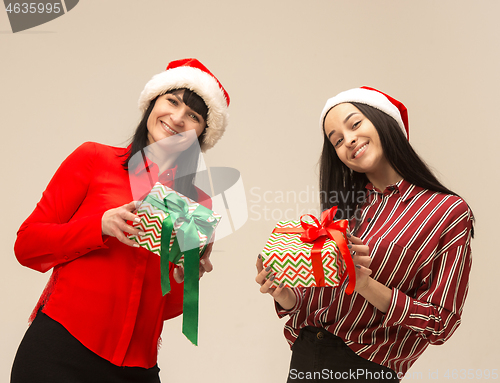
x=290 y=258
x=152 y=219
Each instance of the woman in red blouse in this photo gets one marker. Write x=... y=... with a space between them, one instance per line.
x=101 y=314
x=410 y=243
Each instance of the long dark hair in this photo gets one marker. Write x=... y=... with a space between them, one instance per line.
x=186 y=162
x=341 y=186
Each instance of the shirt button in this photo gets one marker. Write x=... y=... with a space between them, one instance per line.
x=320 y=335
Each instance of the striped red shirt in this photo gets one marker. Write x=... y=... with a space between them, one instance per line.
x=419 y=243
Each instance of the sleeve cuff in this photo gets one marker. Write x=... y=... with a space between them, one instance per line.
x=90 y=237
x=399 y=309
x=281 y=312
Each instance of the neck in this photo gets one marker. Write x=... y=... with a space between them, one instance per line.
x=384 y=178
x=164 y=160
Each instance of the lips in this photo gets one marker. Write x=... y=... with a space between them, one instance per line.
x=168 y=128
x=359 y=150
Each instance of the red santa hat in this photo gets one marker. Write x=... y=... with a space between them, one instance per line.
x=372 y=97
x=193 y=75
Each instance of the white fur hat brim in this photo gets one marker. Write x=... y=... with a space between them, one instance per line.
x=367 y=97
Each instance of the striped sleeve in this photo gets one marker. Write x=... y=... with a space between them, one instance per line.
x=434 y=313
x=299 y=298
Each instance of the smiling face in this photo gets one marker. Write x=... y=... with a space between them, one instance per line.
x=171 y=116
x=356 y=141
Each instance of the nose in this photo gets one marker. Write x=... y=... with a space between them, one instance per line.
x=350 y=139
x=177 y=116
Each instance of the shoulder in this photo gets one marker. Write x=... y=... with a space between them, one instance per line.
x=94 y=151
x=95 y=148
x=454 y=217
x=438 y=203
x=452 y=205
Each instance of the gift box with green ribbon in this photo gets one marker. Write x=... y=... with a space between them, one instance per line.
x=310 y=253
x=178 y=229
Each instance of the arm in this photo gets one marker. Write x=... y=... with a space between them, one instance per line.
x=434 y=310
x=50 y=236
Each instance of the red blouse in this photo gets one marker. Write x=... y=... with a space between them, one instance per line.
x=105 y=293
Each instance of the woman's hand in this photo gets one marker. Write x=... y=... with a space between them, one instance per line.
x=283 y=295
x=205 y=265
x=361 y=258
x=114 y=223
x=373 y=291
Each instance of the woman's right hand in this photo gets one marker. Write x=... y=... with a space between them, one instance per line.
x=283 y=295
x=114 y=223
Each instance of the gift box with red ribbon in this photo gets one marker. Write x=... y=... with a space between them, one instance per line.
x=310 y=253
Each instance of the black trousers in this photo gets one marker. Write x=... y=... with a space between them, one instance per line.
x=48 y=353
x=319 y=356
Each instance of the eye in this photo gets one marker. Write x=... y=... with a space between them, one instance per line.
x=194 y=117
x=338 y=142
x=356 y=125
x=173 y=100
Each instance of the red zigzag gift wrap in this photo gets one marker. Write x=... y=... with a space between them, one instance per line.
x=308 y=253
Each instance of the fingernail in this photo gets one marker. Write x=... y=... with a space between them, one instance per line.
x=358 y=266
x=202 y=261
x=281 y=285
x=349 y=246
x=259 y=256
x=348 y=233
x=136 y=245
x=268 y=268
x=137 y=220
x=141 y=233
x=272 y=277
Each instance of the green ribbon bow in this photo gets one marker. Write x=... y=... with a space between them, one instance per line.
x=187 y=242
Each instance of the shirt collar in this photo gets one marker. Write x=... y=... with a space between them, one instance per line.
x=148 y=165
x=405 y=189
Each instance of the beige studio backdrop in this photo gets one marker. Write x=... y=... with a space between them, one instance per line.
x=78 y=78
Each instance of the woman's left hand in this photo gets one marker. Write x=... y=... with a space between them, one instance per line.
x=205 y=265
x=361 y=258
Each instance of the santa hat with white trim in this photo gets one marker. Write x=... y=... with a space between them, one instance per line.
x=193 y=75
x=374 y=98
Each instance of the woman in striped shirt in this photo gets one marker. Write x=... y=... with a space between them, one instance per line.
x=410 y=243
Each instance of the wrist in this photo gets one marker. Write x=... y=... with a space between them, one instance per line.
x=362 y=288
x=286 y=299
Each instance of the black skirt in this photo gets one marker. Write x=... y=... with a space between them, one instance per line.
x=48 y=353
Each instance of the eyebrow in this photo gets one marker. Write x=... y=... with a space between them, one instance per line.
x=349 y=116
x=345 y=120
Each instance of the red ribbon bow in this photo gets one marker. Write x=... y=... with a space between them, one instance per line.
x=317 y=234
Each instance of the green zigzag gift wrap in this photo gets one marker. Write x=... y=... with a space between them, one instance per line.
x=178 y=229
x=309 y=253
